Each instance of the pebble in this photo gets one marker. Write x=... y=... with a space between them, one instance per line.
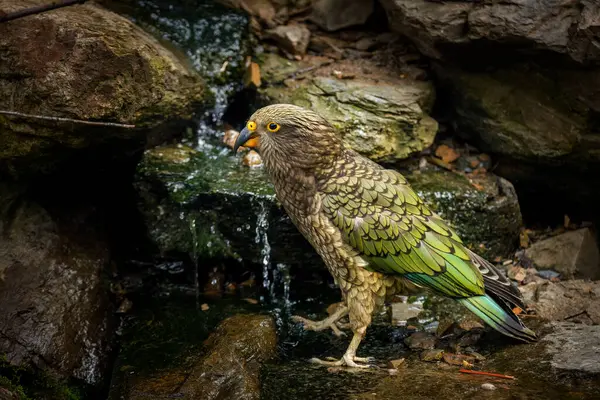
x=252 y=159
x=548 y=274
x=488 y=386
x=394 y=364
x=516 y=273
x=432 y=355
x=420 y=340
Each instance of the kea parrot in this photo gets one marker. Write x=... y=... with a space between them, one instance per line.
x=374 y=233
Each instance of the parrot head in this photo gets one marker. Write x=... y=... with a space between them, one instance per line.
x=285 y=132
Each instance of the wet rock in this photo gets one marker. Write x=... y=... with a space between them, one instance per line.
x=86 y=63
x=332 y=15
x=184 y=193
x=569 y=300
x=229 y=369
x=292 y=38
x=536 y=378
x=384 y=121
x=440 y=29
x=574 y=347
x=420 y=340
x=212 y=37
x=55 y=313
x=573 y=254
x=513 y=113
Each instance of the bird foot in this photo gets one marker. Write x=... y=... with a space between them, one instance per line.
x=310 y=325
x=328 y=323
x=347 y=360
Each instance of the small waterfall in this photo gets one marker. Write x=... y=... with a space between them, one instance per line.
x=195 y=255
x=262 y=239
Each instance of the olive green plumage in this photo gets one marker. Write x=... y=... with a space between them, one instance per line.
x=368 y=224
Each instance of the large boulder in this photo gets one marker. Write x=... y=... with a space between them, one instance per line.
x=451 y=29
x=520 y=113
x=87 y=63
x=521 y=80
x=385 y=118
x=55 y=312
x=226 y=365
x=184 y=195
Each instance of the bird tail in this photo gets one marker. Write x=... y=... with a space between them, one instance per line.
x=500 y=317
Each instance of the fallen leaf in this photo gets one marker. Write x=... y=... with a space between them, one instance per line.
x=251 y=301
x=204 y=307
x=446 y=153
x=252 y=76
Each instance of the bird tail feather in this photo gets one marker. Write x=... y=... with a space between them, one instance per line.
x=500 y=318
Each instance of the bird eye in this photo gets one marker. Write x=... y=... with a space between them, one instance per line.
x=273 y=127
x=251 y=125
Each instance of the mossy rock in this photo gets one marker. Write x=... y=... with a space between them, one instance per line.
x=383 y=121
x=86 y=63
x=520 y=113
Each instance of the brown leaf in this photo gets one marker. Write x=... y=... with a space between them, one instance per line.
x=446 y=153
x=252 y=77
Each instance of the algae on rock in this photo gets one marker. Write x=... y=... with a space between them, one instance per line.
x=85 y=63
x=383 y=121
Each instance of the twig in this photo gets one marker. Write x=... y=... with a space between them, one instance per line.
x=470 y=371
x=61 y=119
x=38 y=9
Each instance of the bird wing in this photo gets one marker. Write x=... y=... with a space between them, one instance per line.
x=386 y=222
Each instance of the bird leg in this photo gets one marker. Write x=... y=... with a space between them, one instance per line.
x=328 y=323
x=349 y=358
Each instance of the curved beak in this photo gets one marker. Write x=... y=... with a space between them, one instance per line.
x=246 y=139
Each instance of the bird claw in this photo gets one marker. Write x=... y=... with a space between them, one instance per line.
x=347 y=361
x=318 y=326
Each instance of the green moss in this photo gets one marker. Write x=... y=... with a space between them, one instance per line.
x=31 y=384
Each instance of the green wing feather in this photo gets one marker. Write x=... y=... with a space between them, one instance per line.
x=383 y=219
x=389 y=225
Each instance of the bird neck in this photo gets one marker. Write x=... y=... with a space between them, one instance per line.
x=296 y=184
